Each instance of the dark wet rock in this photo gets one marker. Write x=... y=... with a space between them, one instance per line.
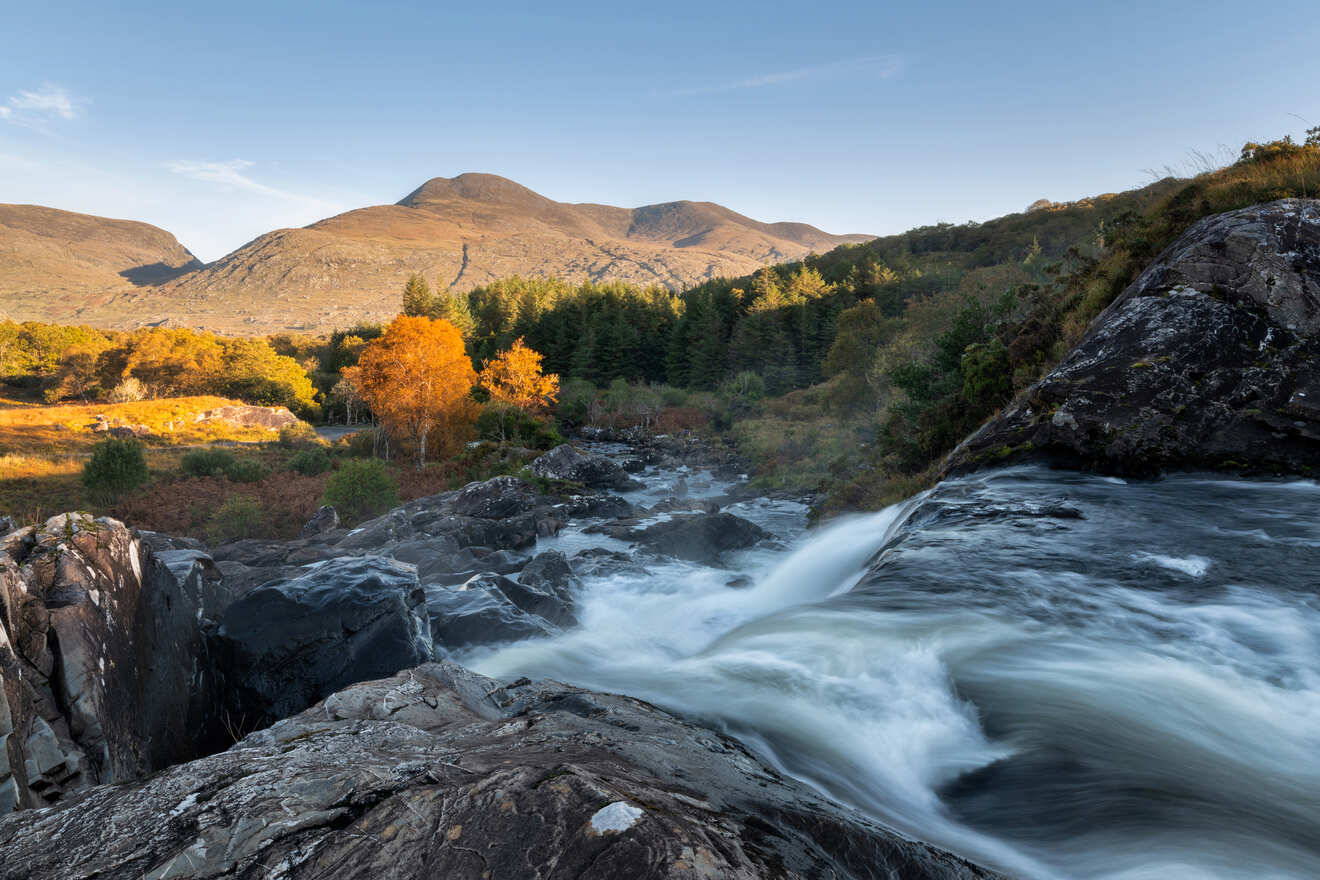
x=326 y=519
x=574 y=466
x=480 y=613
x=103 y=675
x=671 y=505
x=7 y=524
x=438 y=772
x=741 y=582
x=551 y=571
x=1210 y=359
x=287 y=644
x=159 y=541
x=599 y=561
x=704 y=538
x=599 y=505
x=496 y=498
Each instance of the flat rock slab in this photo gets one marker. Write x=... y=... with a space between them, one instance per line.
x=438 y=772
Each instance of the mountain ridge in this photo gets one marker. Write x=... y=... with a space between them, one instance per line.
x=460 y=232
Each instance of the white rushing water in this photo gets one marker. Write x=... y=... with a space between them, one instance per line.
x=1057 y=675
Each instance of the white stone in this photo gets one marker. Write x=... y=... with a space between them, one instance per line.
x=616 y=817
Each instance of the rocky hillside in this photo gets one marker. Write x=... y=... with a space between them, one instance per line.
x=56 y=262
x=1208 y=360
x=459 y=232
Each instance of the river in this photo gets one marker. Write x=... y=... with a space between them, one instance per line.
x=1054 y=674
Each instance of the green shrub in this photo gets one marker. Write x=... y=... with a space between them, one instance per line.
x=361 y=444
x=310 y=462
x=512 y=425
x=298 y=435
x=238 y=517
x=206 y=462
x=361 y=488
x=575 y=399
x=116 y=466
x=245 y=470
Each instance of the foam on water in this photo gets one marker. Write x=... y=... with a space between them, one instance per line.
x=1132 y=694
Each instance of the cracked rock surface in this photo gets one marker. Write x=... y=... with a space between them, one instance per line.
x=439 y=772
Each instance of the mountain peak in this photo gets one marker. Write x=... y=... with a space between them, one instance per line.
x=474 y=186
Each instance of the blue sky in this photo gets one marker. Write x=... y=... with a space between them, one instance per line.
x=220 y=121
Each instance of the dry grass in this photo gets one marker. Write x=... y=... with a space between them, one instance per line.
x=43 y=448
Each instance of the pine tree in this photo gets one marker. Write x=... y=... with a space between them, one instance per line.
x=418 y=300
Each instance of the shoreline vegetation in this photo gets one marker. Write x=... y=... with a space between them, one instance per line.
x=849 y=375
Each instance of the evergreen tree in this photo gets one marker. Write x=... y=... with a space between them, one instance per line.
x=418 y=300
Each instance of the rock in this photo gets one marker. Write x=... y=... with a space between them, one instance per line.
x=287 y=644
x=7 y=524
x=551 y=571
x=325 y=520
x=496 y=498
x=244 y=416
x=573 y=466
x=466 y=618
x=103 y=673
x=741 y=582
x=130 y=432
x=598 y=561
x=538 y=597
x=1210 y=359
x=596 y=506
x=438 y=772
x=704 y=537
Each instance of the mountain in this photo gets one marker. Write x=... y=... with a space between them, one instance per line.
x=460 y=233
x=58 y=262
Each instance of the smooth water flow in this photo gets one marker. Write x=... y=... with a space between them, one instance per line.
x=1055 y=674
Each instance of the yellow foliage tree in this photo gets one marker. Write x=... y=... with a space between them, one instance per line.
x=417 y=379
x=514 y=378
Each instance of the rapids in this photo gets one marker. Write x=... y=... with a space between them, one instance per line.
x=1054 y=674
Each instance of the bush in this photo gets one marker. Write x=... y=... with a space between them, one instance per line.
x=362 y=444
x=310 y=462
x=116 y=466
x=361 y=488
x=238 y=517
x=207 y=462
x=298 y=435
x=128 y=391
x=245 y=470
x=512 y=425
x=576 y=397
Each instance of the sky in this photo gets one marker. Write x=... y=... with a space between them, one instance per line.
x=219 y=121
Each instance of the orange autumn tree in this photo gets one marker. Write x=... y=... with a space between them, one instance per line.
x=416 y=378
x=514 y=378
x=515 y=382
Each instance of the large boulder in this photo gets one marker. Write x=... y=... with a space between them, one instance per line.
x=103 y=673
x=491 y=609
x=703 y=537
x=496 y=498
x=1210 y=359
x=571 y=465
x=246 y=416
x=289 y=643
x=438 y=772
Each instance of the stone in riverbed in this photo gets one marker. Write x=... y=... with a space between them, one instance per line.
x=703 y=538
x=574 y=466
x=287 y=644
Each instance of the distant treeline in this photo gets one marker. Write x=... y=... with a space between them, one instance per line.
x=913 y=338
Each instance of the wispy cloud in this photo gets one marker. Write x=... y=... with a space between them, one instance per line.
x=36 y=106
x=230 y=176
x=868 y=67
